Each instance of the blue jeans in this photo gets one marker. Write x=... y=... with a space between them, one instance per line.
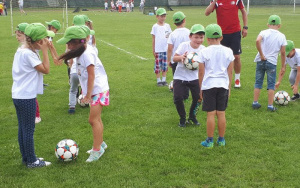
x=25 y=109
x=74 y=81
x=263 y=67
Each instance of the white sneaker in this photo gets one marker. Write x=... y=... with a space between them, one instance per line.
x=95 y=155
x=38 y=119
x=103 y=145
x=237 y=83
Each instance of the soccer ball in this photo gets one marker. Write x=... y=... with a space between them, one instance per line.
x=171 y=86
x=282 y=98
x=66 y=150
x=79 y=100
x=190 y=62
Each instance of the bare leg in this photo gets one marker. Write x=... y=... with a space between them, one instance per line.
x=221 y=123
x=256 y=94
x=210 y=123
x=270 y=96
x=237 y=64
x=97 y=126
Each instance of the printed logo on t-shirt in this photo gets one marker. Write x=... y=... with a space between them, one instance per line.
x=232 y=3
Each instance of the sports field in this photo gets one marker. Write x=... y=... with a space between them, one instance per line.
x=146 y=148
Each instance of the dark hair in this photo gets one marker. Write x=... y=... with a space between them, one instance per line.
x=198 y=33
x=30 y=43
x=74 y=53
x=179 y=23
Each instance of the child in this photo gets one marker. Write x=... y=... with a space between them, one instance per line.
x=215 y=73
x=293 y=59
x=185 y=78
x=160 y=33
x=269 y=43
x=21 y=4
x=93 y=80
x=106 y=6
x=27 y=73
x=92 y=40
x=1 y=8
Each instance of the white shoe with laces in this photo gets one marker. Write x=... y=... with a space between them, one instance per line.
x=95 y=155
x=103 y=145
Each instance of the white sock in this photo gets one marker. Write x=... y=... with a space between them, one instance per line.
x=237 y=76
x=158 y=80
x=164 y=79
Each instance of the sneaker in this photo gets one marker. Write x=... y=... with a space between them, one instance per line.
x=165 y=83
x=71 y=110
x=95 y=155
x=194 y=120
x=39 y=164
x=159 y=84
x=207 y=144
x=272 y=109
x=256 y=105
x=295 y=97
x=40 y=158
x=103 y=145
x=182 y=123
x=221 y=143
x=38 y=119
x=237 y=83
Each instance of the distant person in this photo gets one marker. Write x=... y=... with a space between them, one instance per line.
x=160 y=33
x=119 y=3
x=215 y=73
x=228 y=19
x=106 y=6
x=131 y=5
x=5 y=7
x=269 y=43
x=142 y=5
x=27 y=72
x=1 y=9
x=293 y=60
x=21 y=4
x=186 y=78
x=112 y=5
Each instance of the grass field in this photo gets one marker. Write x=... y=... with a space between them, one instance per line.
x=146 y=148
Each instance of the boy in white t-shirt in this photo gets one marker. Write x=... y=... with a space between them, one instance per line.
x=269 y=43
x=215 y=73
x=160 y=33
x=293 y=60
x=186 y=78
x=106 y=6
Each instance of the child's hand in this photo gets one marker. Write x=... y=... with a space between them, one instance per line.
x=183 y=57
x=263 y=58
x=170 y=64
x=295 y=88
x=201 y=96
x=87 y=99
x=277 y=85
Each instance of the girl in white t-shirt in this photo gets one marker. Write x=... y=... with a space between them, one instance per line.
x=27 y=73
x=93 y=80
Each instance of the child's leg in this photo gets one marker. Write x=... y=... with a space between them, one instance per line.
x=164 y=67
x=271 y=79
x=74 y=81
x=270 y=96
x=221 y=123
x=256 y=94
x=37 y=113
x=259 y=78
x=195 y=90
x=210 y=123
x=178 y=90
x=97 y=126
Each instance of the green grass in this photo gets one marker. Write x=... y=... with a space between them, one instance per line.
x=146 y=148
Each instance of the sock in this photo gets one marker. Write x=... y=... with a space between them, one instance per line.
x=255 y=102
x=210 y=139
x=96 y=149
x=237 y=76
x=270 y=106
x=221 y=138
x=158 y=80
x=163 y=79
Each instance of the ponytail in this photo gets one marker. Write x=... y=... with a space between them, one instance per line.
x=74 y=53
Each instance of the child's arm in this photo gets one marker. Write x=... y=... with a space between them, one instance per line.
x=54 y=54
x=283 y=65
x=229 y=71
x=295 y=86
x=179 y=58
x=258 y=47
x=153 y=45
x=170 y=50
x=281 y=74
x=201 y=75
x=210 y=8
x=44 y=67
x=90 y=84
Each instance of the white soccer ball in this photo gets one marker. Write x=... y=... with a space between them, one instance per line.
x=66 y=150
x=171 y=86
x=282 y=98
x=79 y=100
x=190 y=62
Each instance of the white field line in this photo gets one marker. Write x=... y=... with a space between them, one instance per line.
x=109 y=44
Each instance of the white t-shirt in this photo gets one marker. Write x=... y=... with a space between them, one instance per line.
x=216 y=59
x=21 y=3
x=294 y=62
x=106 y=5
x=89 y=57
x=182 y=73
x=177 y=37
x=161 y=34
x=272 y=41
x=27 y=81
x=73 y=69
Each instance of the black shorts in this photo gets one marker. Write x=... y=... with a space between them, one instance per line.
x=215 y=99
x=233 y=41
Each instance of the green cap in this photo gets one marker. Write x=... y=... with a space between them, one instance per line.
x=289 y=47
x=55 y=24
x=87 y=30
x=161 y=11
x=178 y=17
x=86 y=18
x=37 y=31
x=274 y=20
x=51 y=34
x=213 y=31
x=21 y=27
x=73 y=32
x=78 y=20
x=197 y=28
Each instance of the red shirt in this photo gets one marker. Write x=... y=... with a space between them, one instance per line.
x=227 y=15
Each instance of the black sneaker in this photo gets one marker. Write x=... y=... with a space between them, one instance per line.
x=71 y=111
x=40 y=164
x=164 y=83
x=159 y=84
x=295 y=97
x=182 y=123
x=194 y=120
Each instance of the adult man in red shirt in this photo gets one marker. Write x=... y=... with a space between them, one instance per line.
x=228 y=19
